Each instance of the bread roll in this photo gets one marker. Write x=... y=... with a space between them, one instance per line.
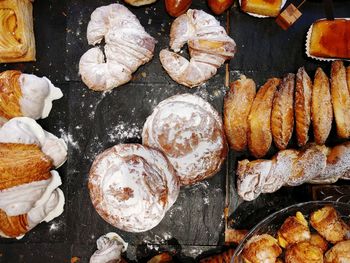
x=237 y=105
x=259 y=126
x=302 y=106
x=282 y=116
x=340 y=99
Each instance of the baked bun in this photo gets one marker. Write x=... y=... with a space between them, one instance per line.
x=132 y=186
x=189 y=131
x=304 y=252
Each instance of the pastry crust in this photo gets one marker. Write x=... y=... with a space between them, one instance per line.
x=319 y=241
x=237 y=105
x=321 y=107
x=302 y=106
x=17 y=43
x=340 y=253
x=340 y=99
x=223 y=257
x=282 y=115
x=303 y=252
x=262 y=7
x=13 y=226
x=259 y=120
x=10 y=94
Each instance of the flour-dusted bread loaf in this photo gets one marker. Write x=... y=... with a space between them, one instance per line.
x=132 y=186
x=321 y=107
x=190 y=132
x=237 y=105
x=341 y=99
x=259 y=120
x=282 y=116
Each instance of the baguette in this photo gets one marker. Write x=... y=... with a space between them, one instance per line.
x=321 y=107
x=302 y=106
x=341 y=99
x=259 y=126
x=237 y=105
x=282 y=116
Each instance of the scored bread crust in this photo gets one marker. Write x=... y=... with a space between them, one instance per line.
x=282 y=115
x=259 y=126
x=321 y=107
x=237 y=105
x=341 y=99
x=302 y=106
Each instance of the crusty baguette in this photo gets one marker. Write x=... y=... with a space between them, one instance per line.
x=340 y=99
x=259 y=120
x=237 y=104
x=321 y=107
x=282 y=116
x=302 y=106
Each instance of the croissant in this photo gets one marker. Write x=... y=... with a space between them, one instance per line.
x=315 y=164
x=25 y=95
x=128 y=46
x=17 y=43
x=208 y=43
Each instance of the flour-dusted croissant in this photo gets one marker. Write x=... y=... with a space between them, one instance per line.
x=208 y=44
x=314 y=164
x=17 y=42
x=25 y=95
x=128 y=46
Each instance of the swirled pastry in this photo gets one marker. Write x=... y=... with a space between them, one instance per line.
x=128 y=46
x=26 y=95
x=189 y=131
x=208 y=44
x=17 y=43
x=132 y=186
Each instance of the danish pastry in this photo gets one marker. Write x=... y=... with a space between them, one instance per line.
x=237 y=105
x=189 y=131
x=339 y=253
x=304 y=252
x=132 y=186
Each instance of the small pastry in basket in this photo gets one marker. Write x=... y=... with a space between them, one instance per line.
x=341 y=99
x=330 y=39
x=17 y=43
x=237 y=105
x=262 y=7
x=294 y=229
x=303 y=252
x=329 y=225
x=25 y=95
x=282 y=116
x=261 y=248
x=189 y=131
x=321 y=107
x=302 y=106
x=259 y=120
x=340 y=253
x=319 y=241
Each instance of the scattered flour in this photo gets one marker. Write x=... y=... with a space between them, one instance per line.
x=68 y=138
x=124 y=131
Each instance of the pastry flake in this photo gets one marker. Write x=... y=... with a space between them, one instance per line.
x=17 y=43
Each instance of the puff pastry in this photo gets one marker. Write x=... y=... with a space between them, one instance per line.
x=17 y=43
x=237 y=105
x=339 y=253
x=282 y=115
x=321 y=107
x=319 y=241
x=303 y=252
x=259 y=120
x=302 y=106
x=340 y=98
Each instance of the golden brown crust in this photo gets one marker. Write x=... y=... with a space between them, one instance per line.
x=340 y=99
x=340 y=253
x=329 y=225
x=262 y=7
x=259 y=120
x=13 y=226
x=237 y=105
x=319 y=241
x=302 y=106
x=235 y=235
x=303 y=252
x=282 y=115
x=10 y=94
x=21 y=164
x=224 y=257
x=321 y=107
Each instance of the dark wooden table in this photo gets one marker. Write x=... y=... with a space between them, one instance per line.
x=92 y=122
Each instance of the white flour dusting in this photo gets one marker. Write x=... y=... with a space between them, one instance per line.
x=124 y=131
x=68 y=138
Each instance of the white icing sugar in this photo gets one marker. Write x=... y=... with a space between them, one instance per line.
x=68 y=138
x=124 y=131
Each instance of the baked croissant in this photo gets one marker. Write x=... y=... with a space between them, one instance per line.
x=25 y=95
x=128 y=46
x=17 y=43
x=208 y=43
x=315 y=164
x=29 y=192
